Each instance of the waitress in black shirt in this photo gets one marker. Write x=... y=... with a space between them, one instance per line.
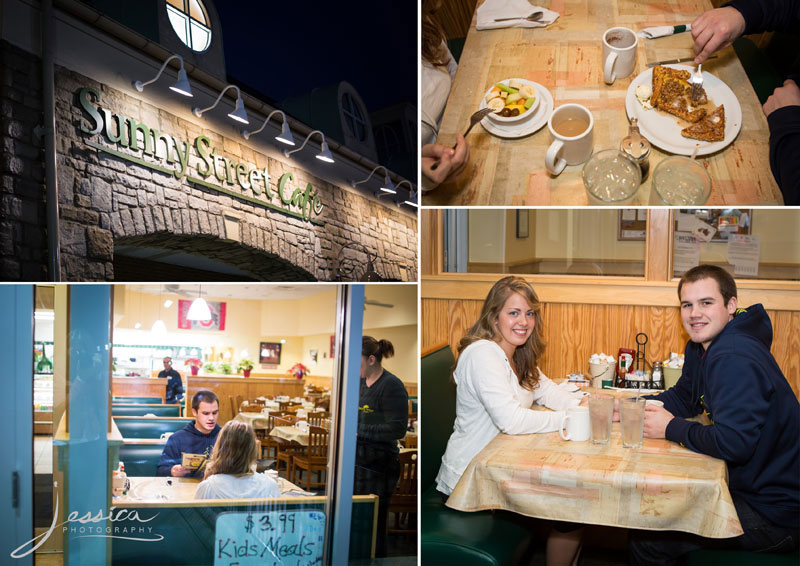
x=382 y=421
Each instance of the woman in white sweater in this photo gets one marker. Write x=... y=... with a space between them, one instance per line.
x=498 y=380
x=230 y=471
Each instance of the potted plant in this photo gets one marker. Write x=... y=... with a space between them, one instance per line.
x=299 y=370
x=194 y=364
x=245 y=366
x=209 y=368
x=225 y=368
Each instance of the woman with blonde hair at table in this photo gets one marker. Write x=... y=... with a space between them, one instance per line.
x=230 y=473
x=498 y=380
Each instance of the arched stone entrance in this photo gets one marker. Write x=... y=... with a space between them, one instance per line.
x=176 y=257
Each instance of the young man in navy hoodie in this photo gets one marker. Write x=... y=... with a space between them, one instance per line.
x=730 y=374
x=195 y=438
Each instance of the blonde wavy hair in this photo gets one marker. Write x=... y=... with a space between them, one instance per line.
x=526 y=356
x=235 y=450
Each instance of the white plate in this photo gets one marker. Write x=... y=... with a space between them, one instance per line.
x=662 y=130
x=537 y=119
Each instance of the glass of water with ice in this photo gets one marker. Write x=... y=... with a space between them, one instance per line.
x=611 y=178
x=680 y=181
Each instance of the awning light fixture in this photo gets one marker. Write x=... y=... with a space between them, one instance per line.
x=238 y=113
x=284 y=137
x=324 y=153
x=181 y=86
x=386 y=187
x=412 y=195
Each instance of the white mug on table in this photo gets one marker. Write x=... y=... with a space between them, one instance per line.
x=576 y=421
x=572 y=128
x=619 y=53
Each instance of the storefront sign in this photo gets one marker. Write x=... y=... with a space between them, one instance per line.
x=216 y=172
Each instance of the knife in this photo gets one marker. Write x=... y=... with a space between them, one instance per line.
x=673 y=61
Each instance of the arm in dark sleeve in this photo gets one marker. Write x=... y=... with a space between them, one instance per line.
x=394 y=405
x=769 y=15
x=784 y=151
x=678 y=399
x=169 y=457
x=739 y=401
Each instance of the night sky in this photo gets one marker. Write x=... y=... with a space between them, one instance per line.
x=289 y=47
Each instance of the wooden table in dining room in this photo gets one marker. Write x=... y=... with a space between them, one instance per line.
x=660 y=486
x=566 y=58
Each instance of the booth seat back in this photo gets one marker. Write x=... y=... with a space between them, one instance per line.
x=141 y=459
x=149 y=427
x=138 y=400
x=131 y=410
x=438 y=393
x=188 y=529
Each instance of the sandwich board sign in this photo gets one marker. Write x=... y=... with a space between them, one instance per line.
x=269 y=538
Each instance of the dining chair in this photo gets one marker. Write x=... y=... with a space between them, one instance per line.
x=287 y=451
x=313 y=459
x=234 y=412
x=283 y=405
x=239 y=401
x=272 y=442
x=403 y=502
x=410 y=441
x=317 y=418
x=261 y=427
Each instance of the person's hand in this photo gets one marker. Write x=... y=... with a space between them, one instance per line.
x=656 y=420
x=179 y=471
x=786 y=95
x=450 y=163
x=714 y=30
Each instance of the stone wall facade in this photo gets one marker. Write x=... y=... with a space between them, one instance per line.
x=106 y=200
x=23 y=234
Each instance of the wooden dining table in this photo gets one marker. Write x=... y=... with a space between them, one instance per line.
x=660 y=486
x=566 y=59
x=169 y=489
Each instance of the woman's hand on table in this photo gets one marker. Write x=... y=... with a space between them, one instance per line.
x=656 y=420
x=441 y=164
x=786 y=95
x=714 y=30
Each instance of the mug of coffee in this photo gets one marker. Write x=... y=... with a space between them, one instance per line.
x=577 y=424
x=571 y=126
x=619 y=53
x=166 y=435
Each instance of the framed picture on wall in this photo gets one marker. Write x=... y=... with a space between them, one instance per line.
x=522 y=223
x=632 y=224
x=724 y=221
x=270 y=353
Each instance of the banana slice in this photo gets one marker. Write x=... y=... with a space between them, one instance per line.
x=513 y=98
x=527 y=91
x=496 y=104
x=494 y=93
x=514 y=83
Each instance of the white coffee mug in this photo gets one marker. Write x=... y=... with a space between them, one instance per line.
x=619 y=53
x=166 y=435
x=577 y=423
x=572 y=127
x=302 y=425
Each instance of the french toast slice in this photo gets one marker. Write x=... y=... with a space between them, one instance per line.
x=710 y=129
x=672 y=93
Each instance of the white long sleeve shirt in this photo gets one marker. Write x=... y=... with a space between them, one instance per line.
x=489 y=400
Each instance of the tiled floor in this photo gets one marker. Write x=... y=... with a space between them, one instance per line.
x=42 y=454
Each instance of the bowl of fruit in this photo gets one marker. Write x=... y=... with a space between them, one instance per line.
x=512 y=101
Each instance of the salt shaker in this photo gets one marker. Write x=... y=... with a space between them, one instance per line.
x=658 y=375
x=637 y=147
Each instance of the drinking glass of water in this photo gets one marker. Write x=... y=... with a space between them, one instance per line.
x=680 y=181
x=611 y=178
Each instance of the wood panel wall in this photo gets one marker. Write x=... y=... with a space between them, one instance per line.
x=575 y=331
x=231 y=387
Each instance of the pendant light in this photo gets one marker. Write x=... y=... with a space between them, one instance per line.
x=199 y=309
x=138 y=324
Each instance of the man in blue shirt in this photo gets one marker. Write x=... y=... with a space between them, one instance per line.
x=730 y=374
x=174 y=383
x=198 y=437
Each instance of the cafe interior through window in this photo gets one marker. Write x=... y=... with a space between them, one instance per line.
x=222 y=430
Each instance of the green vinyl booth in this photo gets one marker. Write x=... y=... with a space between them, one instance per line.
x=484 y=538
x=141 y=459
x=187 y=529
x=131 y=410
x=149 y=427
x=707 y=557
x=115 y=400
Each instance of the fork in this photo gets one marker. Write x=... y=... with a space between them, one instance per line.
x=474 y=119
x=696 y=81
